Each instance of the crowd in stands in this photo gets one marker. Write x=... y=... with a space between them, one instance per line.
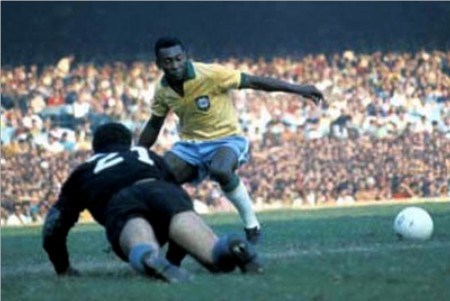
x=383 y=133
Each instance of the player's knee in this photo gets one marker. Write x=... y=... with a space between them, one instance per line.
x=178 y=178
x=180 y=170
x=221 y=174
x=231 y=184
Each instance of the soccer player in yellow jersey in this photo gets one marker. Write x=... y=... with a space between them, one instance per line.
x=212 y=143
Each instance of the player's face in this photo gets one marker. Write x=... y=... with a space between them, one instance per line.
x=173 y=62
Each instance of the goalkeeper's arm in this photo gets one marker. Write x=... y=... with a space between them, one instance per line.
x=58 y=222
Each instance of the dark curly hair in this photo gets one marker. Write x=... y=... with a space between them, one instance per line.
x=111 y=137
x=167 y=42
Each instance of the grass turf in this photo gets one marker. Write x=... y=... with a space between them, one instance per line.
x=327 y=254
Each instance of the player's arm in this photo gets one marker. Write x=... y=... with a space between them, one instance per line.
x=151 y=131
x=58 y=222
x=275 y=85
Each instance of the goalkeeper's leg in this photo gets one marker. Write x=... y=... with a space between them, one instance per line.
x=222 y=254
x=139 y=244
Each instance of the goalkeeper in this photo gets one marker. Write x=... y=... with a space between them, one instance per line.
x=127 y=190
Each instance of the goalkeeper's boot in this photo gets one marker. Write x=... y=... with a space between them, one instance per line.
x=158 y=267
x=245 y=255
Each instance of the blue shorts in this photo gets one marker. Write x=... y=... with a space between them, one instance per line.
x=200 y=153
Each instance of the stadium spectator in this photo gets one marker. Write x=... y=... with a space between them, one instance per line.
x=385 y=94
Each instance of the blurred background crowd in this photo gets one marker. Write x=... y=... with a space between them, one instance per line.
x=383 y=133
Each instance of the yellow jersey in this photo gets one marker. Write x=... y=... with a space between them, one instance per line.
x=206 y=111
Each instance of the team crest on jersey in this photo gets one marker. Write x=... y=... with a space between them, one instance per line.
x=203 y=103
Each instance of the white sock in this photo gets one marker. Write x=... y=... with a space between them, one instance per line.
x=243 y=203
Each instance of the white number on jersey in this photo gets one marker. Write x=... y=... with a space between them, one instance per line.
x=113 y=159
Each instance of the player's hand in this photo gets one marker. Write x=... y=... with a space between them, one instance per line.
x=70 y=272
x=312 y=93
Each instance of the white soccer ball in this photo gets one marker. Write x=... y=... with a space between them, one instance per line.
x=413 y=223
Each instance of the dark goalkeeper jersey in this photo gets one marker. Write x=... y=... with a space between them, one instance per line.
x=93 y=183
x=91 y=186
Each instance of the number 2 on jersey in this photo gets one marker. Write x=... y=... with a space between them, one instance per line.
x=113 y=159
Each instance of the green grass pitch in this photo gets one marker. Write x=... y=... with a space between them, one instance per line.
x=326 y=254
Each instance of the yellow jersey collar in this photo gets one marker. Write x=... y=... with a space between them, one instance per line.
x=190 y=74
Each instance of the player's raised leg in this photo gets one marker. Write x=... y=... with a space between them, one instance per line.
x=222 y=169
